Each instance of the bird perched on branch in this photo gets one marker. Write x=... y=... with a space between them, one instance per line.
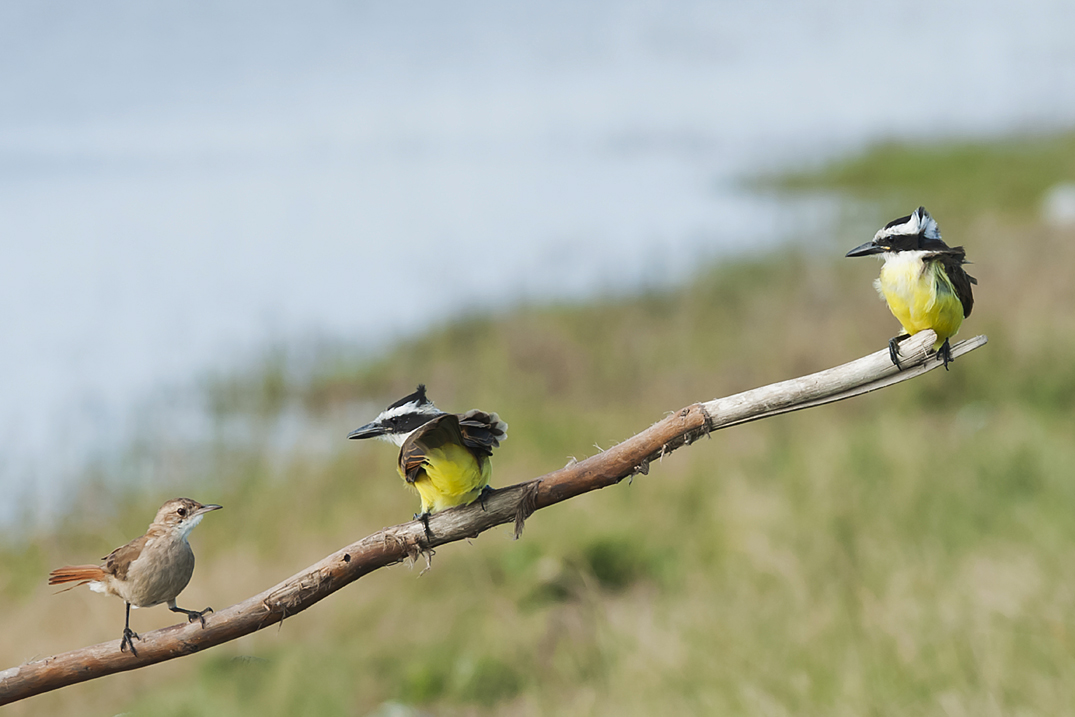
x=922 y=280
x=444 y=456
x=149 y=570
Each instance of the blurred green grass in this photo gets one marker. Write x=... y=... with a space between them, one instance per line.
x=968 y=178
x=903 y=553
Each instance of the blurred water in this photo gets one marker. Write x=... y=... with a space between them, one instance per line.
x=181 y=183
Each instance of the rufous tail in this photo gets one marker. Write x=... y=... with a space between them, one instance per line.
x=76 y=573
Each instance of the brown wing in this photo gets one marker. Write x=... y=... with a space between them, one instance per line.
x=412 y=454
x=482 y=432
x=119 y=560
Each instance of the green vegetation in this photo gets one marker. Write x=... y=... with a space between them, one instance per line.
x=969 y=179
x=905 y=553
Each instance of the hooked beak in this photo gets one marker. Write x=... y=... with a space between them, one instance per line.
x=206 y=508
x=370 y=430
x=866 y=249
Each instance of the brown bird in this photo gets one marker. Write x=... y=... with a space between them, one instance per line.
x=148 y=570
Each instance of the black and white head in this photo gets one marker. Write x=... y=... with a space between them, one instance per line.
x=400 y=419
x=917 y=231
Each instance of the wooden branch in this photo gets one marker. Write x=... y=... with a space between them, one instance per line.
x=512 y=504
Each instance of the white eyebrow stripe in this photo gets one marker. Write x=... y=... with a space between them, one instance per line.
x=920 y=222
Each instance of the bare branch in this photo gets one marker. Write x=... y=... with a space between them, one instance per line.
x=509 y=505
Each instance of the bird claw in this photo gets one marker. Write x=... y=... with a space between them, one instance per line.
x=193 y=615
x=945 y=354
x=894 y=349
x=424 y=517
x=485 y=493
x=127 y=641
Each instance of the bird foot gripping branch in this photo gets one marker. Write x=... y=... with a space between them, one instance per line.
x=193 y=615
x=129 y=635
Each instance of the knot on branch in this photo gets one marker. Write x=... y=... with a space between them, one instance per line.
x=188 y=648
x=291 y=597
x=706 y=428
x=407 y=547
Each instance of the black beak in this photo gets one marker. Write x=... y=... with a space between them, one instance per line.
x=866 y=249
x=370 y=430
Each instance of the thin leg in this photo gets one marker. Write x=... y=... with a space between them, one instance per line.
x=192 y=615
x=486 y=492
x=128 y=635
x=946 y=353
x=894 y=348
x=424 y=517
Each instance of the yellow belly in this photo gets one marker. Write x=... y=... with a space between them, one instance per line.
x=452 y=476
x=921 y=298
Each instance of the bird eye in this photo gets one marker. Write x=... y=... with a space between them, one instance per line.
x=182 y=512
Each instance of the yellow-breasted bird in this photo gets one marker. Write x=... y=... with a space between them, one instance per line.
x=444 y=456
x=922 y=280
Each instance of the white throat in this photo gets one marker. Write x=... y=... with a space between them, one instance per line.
x=183 y=529
x=904 y=258
x=398 y=439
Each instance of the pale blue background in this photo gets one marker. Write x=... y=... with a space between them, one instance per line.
x=183 y=183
